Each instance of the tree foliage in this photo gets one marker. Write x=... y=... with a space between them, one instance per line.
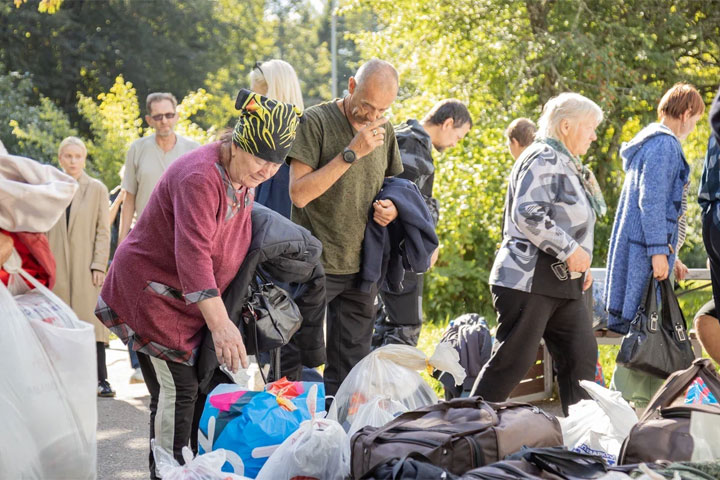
x=159 y=45
x=507 y=58
x=30 y=124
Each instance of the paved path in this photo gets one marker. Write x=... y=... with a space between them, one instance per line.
x=123 y=422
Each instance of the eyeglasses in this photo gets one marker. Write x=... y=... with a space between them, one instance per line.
x=159 y=116
x=257 y=65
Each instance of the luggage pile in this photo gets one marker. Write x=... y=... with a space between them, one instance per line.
x=387 y=423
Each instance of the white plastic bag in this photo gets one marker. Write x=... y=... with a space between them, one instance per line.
x=33 y=196
x=203 y=467
x=319 y=449
x=391 y=371
x=376 y=413
x=598 y=426
x=48 y=399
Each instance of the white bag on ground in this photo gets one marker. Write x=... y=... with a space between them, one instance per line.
x=319 y=449
x=203 y=467
x=392 y=372
x=48 y=399
x=598 y=426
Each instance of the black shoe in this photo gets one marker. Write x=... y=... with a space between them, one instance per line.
x=104 y=389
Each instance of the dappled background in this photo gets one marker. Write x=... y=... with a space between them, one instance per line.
x=84 y=67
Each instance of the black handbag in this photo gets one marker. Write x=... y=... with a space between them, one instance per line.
x=270 y=316
x=657 y=342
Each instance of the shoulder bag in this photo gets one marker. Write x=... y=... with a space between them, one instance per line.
x=657 y=342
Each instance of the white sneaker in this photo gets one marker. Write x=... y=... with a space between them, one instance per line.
x=137 y=376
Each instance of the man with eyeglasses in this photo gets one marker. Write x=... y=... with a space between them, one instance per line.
x=149 y=157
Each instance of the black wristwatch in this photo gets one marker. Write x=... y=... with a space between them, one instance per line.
x=348 y=155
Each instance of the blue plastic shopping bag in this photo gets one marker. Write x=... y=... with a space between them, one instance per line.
x=251 y=425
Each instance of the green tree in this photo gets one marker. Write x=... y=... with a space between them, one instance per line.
x=507 y=58
x=159 y=45
x=115 y=123
x=30 y=124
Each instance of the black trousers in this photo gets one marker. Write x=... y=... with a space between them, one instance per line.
x=101 y=362
x=350 y=317
x=711 y=239
x=404 y=312
x=525 y=318
x=175 y=405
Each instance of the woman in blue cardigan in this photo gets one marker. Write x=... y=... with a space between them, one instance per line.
x=650 y=221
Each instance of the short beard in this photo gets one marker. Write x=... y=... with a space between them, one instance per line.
x=168 y=134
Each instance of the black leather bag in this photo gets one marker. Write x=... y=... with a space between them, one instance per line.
x=657 y=342
x=270 y=316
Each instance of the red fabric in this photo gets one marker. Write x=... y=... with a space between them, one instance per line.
x=37 y=259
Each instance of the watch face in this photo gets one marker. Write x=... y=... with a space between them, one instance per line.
x=348 y=156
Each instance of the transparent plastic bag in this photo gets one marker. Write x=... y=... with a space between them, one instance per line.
x=319 y=449
x=376 y=413
x=48 y=399
x=598 y=426
x=391 y=371
x=202 y=467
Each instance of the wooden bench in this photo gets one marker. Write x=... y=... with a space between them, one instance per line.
x=538 y=381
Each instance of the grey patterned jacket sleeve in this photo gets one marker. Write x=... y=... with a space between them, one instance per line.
x=545 y=208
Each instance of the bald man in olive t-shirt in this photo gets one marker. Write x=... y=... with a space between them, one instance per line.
x=340 y=157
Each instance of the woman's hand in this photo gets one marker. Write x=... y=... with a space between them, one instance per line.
x=660 y=266
x=588 y=280
x=578 y=261
x=229 y=346
x=98 y=278
x=680 y=270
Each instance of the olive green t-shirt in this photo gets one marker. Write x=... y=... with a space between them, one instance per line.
x=338 y=217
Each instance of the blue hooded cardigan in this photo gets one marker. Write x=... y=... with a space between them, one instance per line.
x=646 y=221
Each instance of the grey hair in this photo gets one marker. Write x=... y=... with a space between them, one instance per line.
x=568 y=105
x=72 y=141
x=158 y=97
x=374 y=67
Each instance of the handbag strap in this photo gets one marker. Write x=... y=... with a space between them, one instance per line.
x=650 y=304
x=673 y=317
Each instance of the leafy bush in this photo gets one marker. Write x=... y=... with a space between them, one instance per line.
x=31 y=125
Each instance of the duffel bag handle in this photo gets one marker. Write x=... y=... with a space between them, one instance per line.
x=471 y=402
x=673 y=387
x=396 y=469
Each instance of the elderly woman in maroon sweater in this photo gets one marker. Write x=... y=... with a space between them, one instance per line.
x=166 y=278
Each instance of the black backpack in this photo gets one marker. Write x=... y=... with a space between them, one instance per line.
x=470 y=336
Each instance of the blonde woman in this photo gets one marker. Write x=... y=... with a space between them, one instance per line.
x=276 y=79
x=80 y=242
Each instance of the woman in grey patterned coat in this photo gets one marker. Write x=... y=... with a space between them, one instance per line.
x=542 y=266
